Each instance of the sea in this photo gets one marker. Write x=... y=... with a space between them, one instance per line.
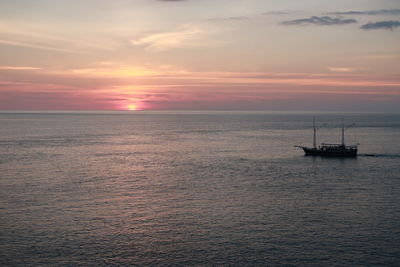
x=191 y=188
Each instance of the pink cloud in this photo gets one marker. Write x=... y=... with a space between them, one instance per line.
x=47 y=90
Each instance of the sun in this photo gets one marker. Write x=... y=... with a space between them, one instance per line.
x=132 y=107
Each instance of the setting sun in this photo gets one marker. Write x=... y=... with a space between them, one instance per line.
x=132 y=107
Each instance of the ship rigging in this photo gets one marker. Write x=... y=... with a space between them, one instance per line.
x=333 y=150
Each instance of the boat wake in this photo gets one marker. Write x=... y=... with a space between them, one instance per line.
x=380 y=155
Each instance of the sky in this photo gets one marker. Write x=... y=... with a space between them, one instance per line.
x=200 y=55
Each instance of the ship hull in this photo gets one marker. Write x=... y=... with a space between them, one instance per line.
x=350 y=153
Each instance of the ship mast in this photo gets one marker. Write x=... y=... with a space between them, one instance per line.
x=315 y=136
x=342 y=133
x=315 y=133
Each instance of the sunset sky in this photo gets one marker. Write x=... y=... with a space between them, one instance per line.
x=200 y=55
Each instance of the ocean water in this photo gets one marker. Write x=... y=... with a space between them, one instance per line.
x=197 y=188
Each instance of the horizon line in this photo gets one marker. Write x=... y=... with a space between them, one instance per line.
x=116 y=111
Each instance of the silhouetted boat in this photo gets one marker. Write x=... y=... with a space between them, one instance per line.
x=330 y=150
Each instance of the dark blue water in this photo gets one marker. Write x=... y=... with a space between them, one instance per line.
x=216 y=188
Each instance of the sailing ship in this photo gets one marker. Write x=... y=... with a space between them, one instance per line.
x=332 y=150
